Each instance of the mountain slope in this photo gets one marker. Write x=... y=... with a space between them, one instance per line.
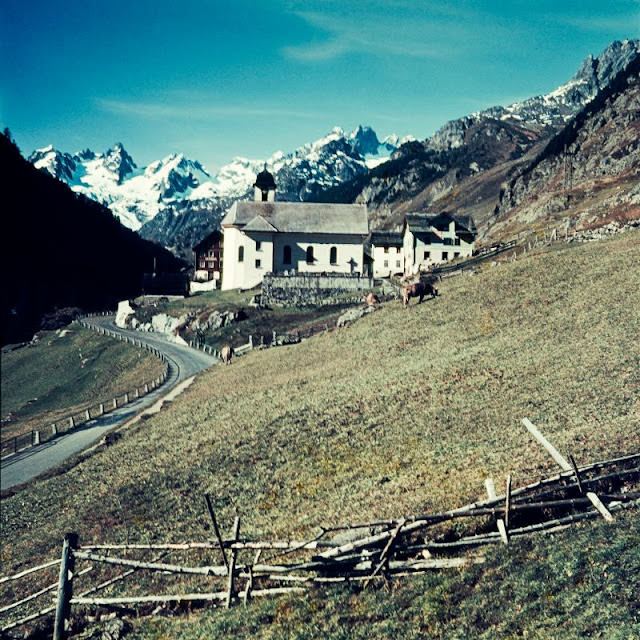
x=62 y=249
x=479 y=153
x=589 y=173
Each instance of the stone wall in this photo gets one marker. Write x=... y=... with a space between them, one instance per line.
x=312 y=288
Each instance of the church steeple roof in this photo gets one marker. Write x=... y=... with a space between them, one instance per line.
x=265 y=180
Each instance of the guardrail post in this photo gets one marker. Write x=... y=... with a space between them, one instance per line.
x=87 y=415
x=101 y=410
x=146 y=387
x=72 y=422
x=126 y=398
x=54 y=429
x=115 y=403
x=63 y=607
x=136 y=393
x=36 y=438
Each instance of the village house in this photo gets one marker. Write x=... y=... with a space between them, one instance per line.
x=265 y=236
x=430 y=239
x=386 y=253
x=208 y=257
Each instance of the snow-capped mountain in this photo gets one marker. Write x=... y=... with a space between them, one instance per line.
x=181 y=188
x=553 y=109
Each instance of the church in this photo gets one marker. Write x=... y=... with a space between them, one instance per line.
x=264 y=236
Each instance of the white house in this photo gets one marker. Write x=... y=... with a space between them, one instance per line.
x=387 y=253
x=267 y=236
x=434 y=238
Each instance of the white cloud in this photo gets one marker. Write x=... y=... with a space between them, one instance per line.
x=158 y=110
x=429 y=30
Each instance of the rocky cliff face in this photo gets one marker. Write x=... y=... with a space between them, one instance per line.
x=589 y=173
x=467 y=163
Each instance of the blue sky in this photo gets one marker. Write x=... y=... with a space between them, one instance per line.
x=217 y=79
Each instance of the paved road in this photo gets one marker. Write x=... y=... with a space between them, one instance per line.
x=184 y=362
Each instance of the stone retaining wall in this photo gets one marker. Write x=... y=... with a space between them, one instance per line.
x=310 y=288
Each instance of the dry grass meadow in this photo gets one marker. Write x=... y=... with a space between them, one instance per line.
x=406 y=410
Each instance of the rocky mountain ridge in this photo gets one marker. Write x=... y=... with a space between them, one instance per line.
x=463 y=166
x=174 y=201
x=588 y=175
x=479 y=154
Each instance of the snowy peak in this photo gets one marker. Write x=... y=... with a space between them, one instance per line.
x=553 y=109
x=60 y=165
x=118 y=161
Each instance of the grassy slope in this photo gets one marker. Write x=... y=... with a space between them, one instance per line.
x=62 y=372
x=407 y=410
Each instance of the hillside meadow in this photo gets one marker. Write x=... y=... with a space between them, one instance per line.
x=64 y=371
x=405 y=411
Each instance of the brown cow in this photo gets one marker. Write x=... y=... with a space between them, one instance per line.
x=226 y=354
x=418 y=290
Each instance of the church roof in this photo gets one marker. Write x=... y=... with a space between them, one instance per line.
x=298 y=217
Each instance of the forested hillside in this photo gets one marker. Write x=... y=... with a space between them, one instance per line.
x=62 y=250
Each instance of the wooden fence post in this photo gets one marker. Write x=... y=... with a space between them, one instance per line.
x=64 y=586
x=232 y=564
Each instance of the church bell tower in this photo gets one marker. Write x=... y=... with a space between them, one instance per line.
x=264 y=187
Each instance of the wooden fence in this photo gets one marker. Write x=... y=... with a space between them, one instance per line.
x=11 y=446
x=381 y=550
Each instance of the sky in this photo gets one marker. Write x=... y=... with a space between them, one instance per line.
x=217 y=79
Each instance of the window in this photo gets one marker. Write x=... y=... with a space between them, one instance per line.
x=397 y=264
x=457 y=241
x=333 y=255
x=240 y=253
x=386 y=249
x=202 y=264
x=397 y=249
x=258 y=245
x=211 y=253
x=265 y=196
x=447 y=241
x=445 y=255
x=286 y=254
x=456 y=254
x=310 y=258
x=427 y=255
x=386 y=263
x=258 y=264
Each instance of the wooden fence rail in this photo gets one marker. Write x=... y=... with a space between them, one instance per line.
x=391 y=549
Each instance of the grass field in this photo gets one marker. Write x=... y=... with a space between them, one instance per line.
x=405 y=411
x=62 y=372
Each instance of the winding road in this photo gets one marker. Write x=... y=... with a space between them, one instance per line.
x=184 y=363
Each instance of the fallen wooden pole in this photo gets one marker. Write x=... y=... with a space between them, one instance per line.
x=535 y=432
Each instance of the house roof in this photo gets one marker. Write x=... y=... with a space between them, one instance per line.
x=208 y=240
x=298 y=217
x=425 y=222
x=391 y=238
